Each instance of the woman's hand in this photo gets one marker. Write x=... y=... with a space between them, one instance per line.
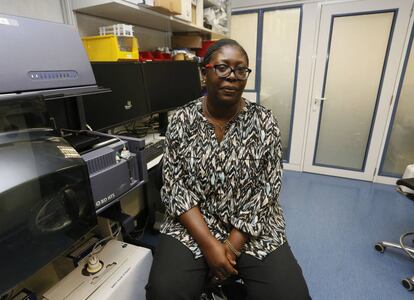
x=217 y=258
x=230 y=255
x=213 y=250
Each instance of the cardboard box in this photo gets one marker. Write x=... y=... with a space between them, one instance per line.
x=169 y=7
x=185 y=11
x=193 y=14
x=186 y=41
x=124 y=275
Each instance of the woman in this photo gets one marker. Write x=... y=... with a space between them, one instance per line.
x=222 y=177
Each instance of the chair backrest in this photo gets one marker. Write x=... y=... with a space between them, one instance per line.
x=406 y=186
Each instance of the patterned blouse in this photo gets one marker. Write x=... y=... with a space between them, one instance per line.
x=235 y=183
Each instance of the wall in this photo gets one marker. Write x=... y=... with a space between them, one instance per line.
x=148 y=39
x=50 y=10
x=236 y=4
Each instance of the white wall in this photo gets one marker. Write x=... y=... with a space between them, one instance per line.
x=50 y=10
x=236 y=4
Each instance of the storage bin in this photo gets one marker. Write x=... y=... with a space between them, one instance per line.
x=205 y=44
x=111 y=48
x=117 y=29
x=154 y=56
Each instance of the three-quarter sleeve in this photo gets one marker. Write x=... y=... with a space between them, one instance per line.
x=259 y=205
x=175 y=193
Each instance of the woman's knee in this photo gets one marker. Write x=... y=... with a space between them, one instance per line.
x=278 y=276
x=160 y=289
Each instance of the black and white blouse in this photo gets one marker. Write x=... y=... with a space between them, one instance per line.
x=235 y=183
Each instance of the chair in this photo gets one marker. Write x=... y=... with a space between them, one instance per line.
x=232 y=288
x=408 y=283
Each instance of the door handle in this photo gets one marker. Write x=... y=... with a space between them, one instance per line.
x=128 y=105
x=316 y=101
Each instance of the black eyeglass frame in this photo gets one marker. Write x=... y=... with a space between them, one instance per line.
x=232 y=70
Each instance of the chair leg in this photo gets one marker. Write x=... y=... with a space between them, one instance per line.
x=381 y=246
x=408 y=283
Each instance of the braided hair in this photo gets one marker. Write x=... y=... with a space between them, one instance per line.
x=218 y=45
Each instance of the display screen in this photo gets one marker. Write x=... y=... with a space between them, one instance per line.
x=171 y=84
x=127 y=101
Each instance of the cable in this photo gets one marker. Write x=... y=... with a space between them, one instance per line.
x=95 y=133
x=141 y=231
x=110 y=237
x=9 y=294
x=94 y=264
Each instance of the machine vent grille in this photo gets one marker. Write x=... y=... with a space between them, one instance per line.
x=101 y=163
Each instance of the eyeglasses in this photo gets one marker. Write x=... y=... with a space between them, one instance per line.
x=224 y=71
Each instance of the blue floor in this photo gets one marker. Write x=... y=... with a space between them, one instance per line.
x=332 y=226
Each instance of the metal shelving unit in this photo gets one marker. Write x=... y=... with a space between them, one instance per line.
x=138 y=15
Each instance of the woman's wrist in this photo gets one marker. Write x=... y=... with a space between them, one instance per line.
x=230 y=246
x=208 y=243
x=237 y=239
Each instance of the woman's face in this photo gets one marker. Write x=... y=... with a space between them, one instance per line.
x=227 y=90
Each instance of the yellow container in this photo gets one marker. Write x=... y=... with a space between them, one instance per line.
x=111 y=47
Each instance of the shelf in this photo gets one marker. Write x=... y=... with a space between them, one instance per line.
x=209 y=3
x=135 y=15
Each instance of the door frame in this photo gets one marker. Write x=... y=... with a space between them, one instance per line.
x=392 y=178
x=385 y=93
x=259 y=51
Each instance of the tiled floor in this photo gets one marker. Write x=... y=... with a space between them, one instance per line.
x=332 y=226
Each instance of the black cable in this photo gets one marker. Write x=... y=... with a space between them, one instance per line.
x=140 y=231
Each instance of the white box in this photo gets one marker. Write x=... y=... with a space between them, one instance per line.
x=124 y=276
x=199 y=13
x=185 y=11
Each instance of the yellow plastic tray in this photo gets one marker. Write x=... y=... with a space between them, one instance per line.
x=111 y=48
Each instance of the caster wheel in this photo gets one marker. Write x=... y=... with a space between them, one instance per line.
x=379 y=247
x=408 y=284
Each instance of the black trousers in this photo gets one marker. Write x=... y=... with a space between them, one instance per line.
x=175 y=274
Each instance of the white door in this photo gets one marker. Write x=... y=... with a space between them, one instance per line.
x=358 y=54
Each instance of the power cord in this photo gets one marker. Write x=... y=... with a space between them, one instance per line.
x=124 y=153
x=94 y=265
x=8 y=295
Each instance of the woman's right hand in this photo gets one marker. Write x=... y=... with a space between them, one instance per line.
x=220 y=266
x=213 y=250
